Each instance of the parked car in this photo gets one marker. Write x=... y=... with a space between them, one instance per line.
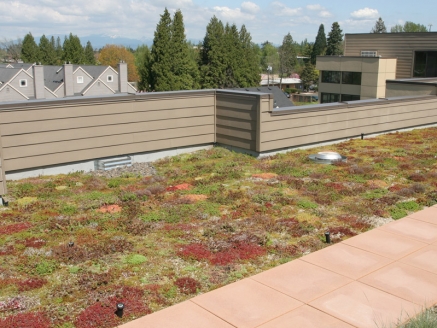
x=314 y=98
x=287 y=94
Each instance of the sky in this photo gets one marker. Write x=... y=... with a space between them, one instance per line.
x=265 y=20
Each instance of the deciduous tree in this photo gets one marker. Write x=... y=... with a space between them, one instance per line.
x=112 y=54
x=309 y=75
x=408 y=27
x=379 y=27
x=30 y=51
x=335 y=39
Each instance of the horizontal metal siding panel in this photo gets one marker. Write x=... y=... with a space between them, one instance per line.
x=86 y=110
x=236 y=142
x=106 y=141
x=236 y=123
x=102 y=120
x=238 y=133
x=115 y=150
x=114 y=129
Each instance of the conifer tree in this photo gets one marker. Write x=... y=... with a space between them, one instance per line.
x=160 y=57
x=335 y=39
x=212 y=64
x=379 y=27
x=319 y=47
x=89 y=54
x=309 y=75
x=30 y=51
x=142 y=61
x=287 y=57
x=59 y=51
x=73 y=50
x=47 y=51
x=249 y=64
x=184 y=69
x=232 y=48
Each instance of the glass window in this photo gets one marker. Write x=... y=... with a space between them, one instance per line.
x=425 y=64
x=331 y=77
x=349 y=97
x=23 y=83
x=351 y=78
x=80 y=79
x=330 y=98
x=109 y=78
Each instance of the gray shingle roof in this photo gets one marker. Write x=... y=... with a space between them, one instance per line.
x=279 y=97
x=53 y=76
x=7 y=73
x=94 y=71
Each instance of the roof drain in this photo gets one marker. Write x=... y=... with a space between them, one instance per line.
x=107 y=164
x=327 y=157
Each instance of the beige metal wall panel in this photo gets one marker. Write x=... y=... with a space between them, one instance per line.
x=369 y=79
x=298 y=129
x=350 y=89
x=328 y=63
x=351 y=65
x=396 y=45
x=54 y=132
x=237 y=117
x=330 y=87
x=401 y=89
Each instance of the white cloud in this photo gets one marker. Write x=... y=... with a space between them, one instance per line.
x=365 y=13
x=325 y=13
x=249 y=7
x=281 y=9
x=314 y=7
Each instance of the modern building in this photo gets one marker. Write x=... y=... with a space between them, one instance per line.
x=371 y=59
x=31 y=81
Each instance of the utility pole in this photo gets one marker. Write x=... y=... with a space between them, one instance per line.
x=429 y=27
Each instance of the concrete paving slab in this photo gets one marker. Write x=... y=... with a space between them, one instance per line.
x=405 y=281
x=305 y=317
x=301 y=280
x=425 y=259
x=385 y=243
x=428 y=215
x=246 y=303
x=182 y=315
x=422 y=231
x=346 y=260
x=364 y=306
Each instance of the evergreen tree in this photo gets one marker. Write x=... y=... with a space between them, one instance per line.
x=47 y=51
x=309 y=75
x=212 y=64
x=319 y=47
x=335 y=39
x=142 y=61
x=89 y=54
x=270 y=57
x=160 y=57
x=184 y=70
x=249 y=64
x=287 y=57
x=72 y=50
x=59 y=51
x=30 y=51
x=379 y=27
x=232 y=48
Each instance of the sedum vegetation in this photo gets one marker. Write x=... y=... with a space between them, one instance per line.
x=73 y=246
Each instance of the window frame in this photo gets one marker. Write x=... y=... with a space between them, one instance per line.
x=110 y=78
x=343 y=73
x=329 y=77
x=23 y=85
x=369 y=53
x=331 y=95
x=79 y=79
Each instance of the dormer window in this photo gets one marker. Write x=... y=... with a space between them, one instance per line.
x=109 y=78
x=79 y=79
x=23 y=83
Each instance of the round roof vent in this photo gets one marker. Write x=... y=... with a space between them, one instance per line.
x=327 y=157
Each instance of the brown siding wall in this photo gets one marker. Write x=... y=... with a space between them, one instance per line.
x=317 y=124
x=237 y=118
x=399 y=45
x=75 y=130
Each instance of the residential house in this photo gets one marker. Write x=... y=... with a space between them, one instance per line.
x=30 y=81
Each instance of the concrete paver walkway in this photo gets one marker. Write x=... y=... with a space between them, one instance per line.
x=371 y=280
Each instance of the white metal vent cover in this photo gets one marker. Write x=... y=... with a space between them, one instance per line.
x=327 y=157
x=111 y=163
